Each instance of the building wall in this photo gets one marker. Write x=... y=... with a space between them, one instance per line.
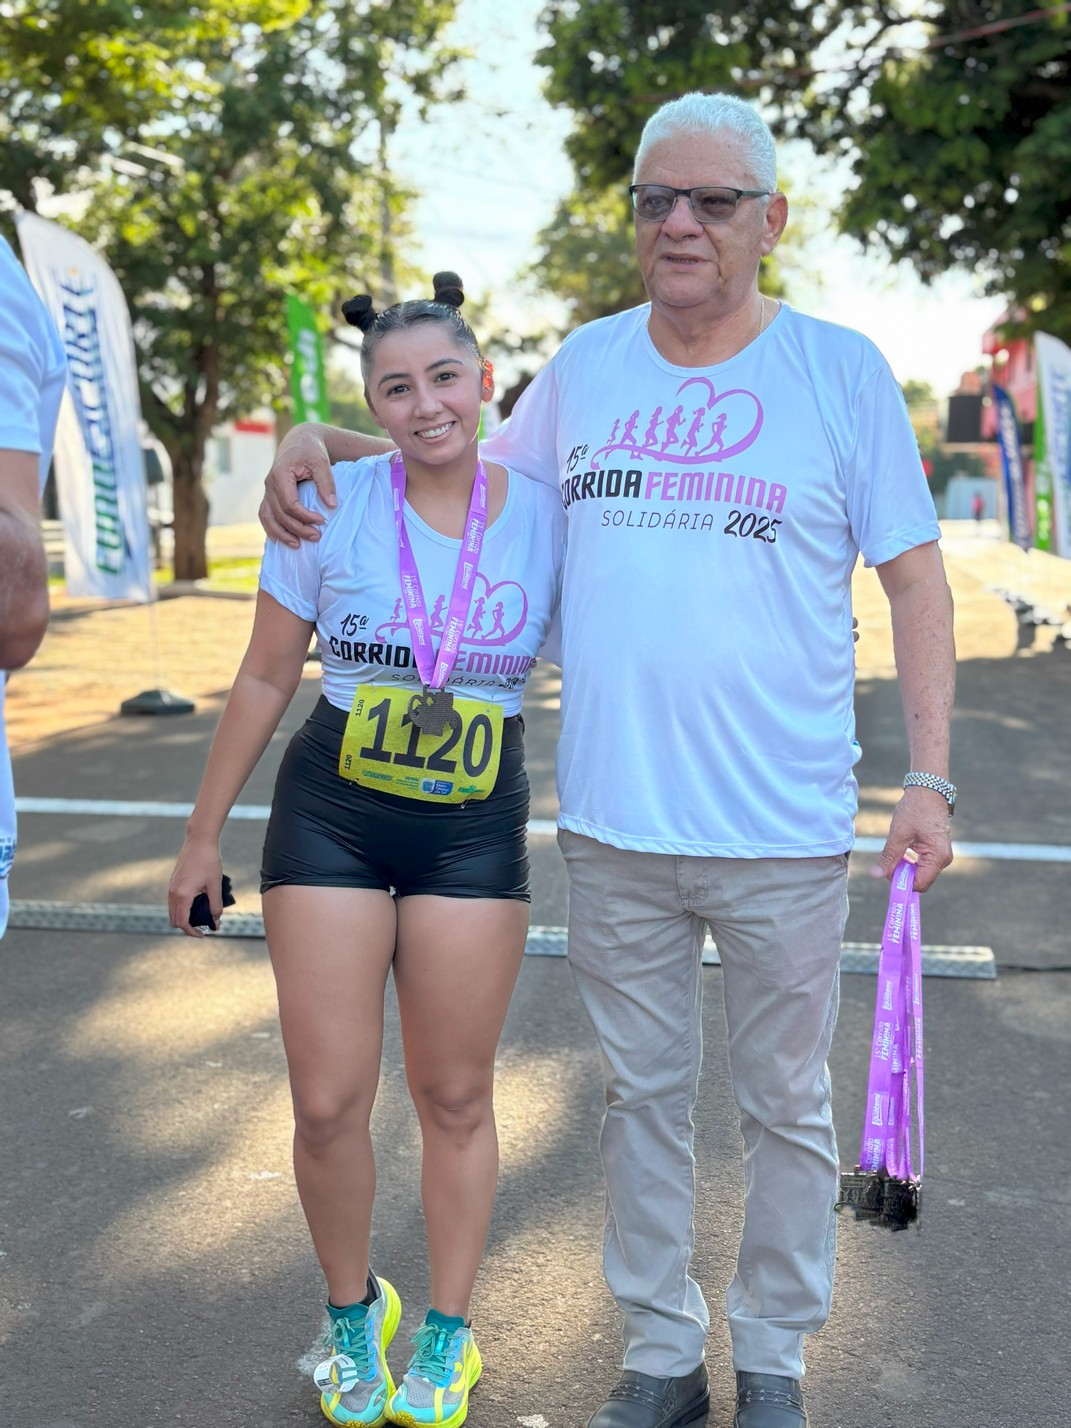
x=239 y=455
x=1014 y=369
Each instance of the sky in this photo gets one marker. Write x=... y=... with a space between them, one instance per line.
x=491 y=169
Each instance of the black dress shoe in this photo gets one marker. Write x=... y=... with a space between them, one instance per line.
x=638 y=1400
x=765 y=1400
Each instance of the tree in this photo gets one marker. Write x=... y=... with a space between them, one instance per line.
x=586 y=256
x=959 y=149
x=954 y=116
x=613 y=64
x=918 y=394
x=220 y=155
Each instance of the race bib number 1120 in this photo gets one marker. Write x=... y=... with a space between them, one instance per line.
x=383 y=749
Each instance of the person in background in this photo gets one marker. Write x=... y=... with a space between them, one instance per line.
x=33 y=369
x=396 y=840
x=723 y=460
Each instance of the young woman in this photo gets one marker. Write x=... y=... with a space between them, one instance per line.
x=397 y=831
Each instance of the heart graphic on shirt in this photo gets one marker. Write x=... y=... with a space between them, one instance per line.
x=497 y=615
x=699 y=425
x=492 y=606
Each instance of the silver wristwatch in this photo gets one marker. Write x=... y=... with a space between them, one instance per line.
x=939 y=785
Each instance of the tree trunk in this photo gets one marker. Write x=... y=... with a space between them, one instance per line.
x=191 y=517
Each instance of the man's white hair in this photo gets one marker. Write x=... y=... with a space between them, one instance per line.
x=716 y=115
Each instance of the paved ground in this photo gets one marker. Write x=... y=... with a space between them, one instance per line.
x=154 y=1266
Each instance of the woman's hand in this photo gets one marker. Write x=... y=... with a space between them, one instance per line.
x=199 y=870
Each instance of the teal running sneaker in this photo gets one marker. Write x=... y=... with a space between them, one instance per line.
x=445 y=1366
x=355 y=1383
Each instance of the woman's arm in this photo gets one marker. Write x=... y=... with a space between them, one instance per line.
x=265 y=684
x=306 y=453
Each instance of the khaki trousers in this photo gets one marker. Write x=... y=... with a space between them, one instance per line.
x=637 y=922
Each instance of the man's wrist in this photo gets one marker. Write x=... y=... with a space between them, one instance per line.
x=935 y=783
x=304 y=433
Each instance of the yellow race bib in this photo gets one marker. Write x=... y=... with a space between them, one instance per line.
x=383 y=749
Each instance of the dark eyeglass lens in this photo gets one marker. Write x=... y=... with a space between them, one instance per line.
x=654 y=202
x=713 y=205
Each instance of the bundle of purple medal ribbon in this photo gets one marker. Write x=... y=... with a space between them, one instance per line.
x=884 y=1187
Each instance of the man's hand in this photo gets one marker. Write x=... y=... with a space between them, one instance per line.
x=301 y=457
x=920 y=821
x=306 y=454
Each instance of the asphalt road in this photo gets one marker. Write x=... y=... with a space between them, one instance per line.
x=154 y=1263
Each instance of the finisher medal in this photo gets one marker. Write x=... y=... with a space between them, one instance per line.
x=432 y=711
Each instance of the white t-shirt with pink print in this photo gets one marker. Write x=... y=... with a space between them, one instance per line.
x=348 y=582
x=715 y=518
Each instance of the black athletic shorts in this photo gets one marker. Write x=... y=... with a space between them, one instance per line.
x=325 y=831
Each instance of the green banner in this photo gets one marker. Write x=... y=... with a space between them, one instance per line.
x=1042 y=482
x=308 y=380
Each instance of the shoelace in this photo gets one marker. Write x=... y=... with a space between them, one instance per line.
x=433 y=1359
x=351 y=1338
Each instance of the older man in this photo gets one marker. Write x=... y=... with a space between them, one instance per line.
x=723 y=460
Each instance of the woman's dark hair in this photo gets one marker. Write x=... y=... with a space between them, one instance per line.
x=443 y=307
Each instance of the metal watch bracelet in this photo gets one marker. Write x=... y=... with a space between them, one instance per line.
x=933 y=781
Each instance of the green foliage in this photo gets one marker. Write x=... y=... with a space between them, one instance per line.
x=959 y=151
x=613 y=62
x=918 y=394
x=960 y=157
x=219 y=155
x=586 y=256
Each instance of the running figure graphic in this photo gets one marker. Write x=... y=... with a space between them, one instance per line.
x=476 y=623
x=691 y=441
x=672 y=426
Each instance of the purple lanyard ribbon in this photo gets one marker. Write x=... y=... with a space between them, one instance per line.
x=435 y=669
x=896 y=1050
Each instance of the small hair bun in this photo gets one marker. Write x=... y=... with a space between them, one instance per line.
x=448 y=289
x=359 y=312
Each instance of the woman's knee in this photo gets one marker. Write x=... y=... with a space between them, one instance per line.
x=323 y=1119
x=455 y=1108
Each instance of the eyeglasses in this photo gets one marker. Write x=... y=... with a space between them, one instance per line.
x=656 y=201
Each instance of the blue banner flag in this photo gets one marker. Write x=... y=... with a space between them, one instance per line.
x=1012 y=460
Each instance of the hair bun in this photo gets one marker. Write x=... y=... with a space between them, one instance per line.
x=448 y=289
x=359 y=312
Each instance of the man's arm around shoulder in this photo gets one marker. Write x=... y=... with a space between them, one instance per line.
x=925 y=652
x=23 y=563
x=307 y=453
